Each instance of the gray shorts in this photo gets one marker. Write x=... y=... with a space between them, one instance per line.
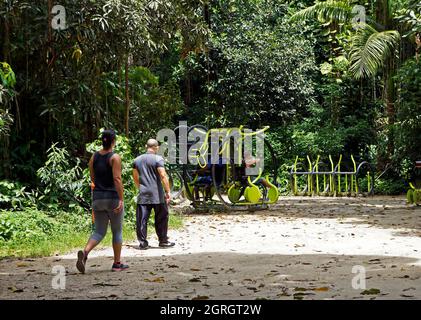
x=104 y=214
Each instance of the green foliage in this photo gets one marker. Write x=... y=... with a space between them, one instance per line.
x=337 y=10
x=408 y=118
x=389 y=186
x=32 y=225
x=14 y=196
x=410 y=18
x=325 y=141
x=62 y=75
x=219 y=63
x=153 y=105
x=32 y=233
x=7 y=76
x=6 y=120
x=156 y=104
x=370 y=50
x=24 y=159
x=62 y=180
x=316 y=135
x=7 y=82
x=257 y=70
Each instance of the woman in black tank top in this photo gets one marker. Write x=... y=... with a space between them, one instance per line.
x=103 y=176
x=107 y=201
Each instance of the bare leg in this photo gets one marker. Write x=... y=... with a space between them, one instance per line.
x=90 y=245
x=266 y=184
x=82 y=256
x=117 y=252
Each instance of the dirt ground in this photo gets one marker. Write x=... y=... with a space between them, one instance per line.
x=302 y=248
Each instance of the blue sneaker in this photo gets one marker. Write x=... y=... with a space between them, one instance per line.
x=119 y=267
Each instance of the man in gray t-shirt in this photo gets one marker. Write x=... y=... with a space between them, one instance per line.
x=150 y=177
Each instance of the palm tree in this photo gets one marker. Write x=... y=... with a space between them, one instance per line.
x=373 y=45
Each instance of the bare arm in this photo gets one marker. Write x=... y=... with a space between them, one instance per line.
x=136 y=178
x=164 y=178
x=116 y=165
x=251 y=162
x=163 y=175
x=91 y=171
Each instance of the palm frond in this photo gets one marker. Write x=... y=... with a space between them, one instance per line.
x=336 y=10
x=370 y=49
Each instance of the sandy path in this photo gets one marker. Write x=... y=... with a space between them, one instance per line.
x=301 y=248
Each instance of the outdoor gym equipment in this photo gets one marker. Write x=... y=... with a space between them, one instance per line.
x=224 y=182
x=413 y=196
x=320 y=178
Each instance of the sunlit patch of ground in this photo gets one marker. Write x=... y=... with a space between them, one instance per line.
x=302 y=248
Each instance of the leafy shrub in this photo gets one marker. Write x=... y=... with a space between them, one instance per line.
x=389 y=187
x=407 y=127
x=6 y=118
x=63 y=181
x=14 y=196
x=32 y=225
x=66 y=185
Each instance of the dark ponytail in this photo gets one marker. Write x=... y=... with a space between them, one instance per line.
x=107 y=138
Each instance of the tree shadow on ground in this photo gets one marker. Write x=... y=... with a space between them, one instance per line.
x=214 y=275
x=390 y=212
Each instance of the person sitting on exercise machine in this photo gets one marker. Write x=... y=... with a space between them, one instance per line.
x=249 y=162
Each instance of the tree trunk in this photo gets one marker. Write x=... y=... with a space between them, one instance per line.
x=5 y=158
x=6 y=45
x=384 y=14
x=127 y=96
x=385 y=19
x=50 y=49
x=389 y=88
x=187 y=99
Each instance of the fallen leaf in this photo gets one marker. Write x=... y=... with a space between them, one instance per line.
x=106 y=285
x=15 y=290
x=371 y=291
x=156 y=280
x=22 y=265
x=283 y=294
x=374 y=261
